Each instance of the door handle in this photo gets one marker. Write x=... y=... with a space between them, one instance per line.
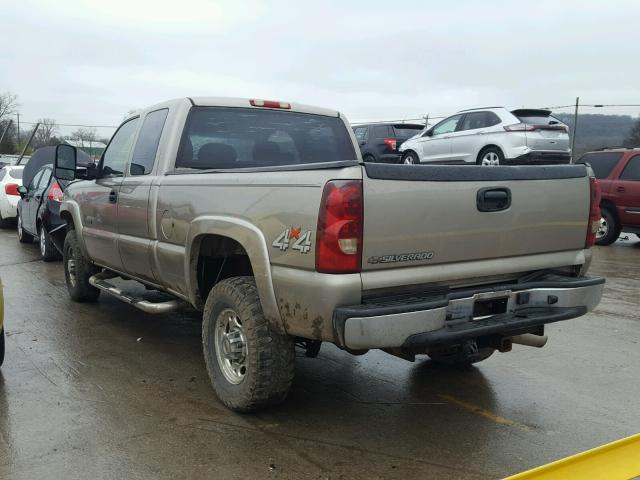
x=493 y=199
x=113 y=196
x=620 y=189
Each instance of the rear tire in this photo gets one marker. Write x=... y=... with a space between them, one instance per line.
x=251 y=366
x=369 y=159
x=78 y=270
x=490 y=157
x=410 y=158
x=23 y=236
x=462 y=356
x=48 y=250
x=609 y=230
x=5 y=222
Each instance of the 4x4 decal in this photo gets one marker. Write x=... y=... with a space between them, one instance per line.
x=295 y=238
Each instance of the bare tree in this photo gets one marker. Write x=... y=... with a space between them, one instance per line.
x=85 y=135
x=45 y=133
x=8 y=104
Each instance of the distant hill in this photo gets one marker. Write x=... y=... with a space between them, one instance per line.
x=598 y=131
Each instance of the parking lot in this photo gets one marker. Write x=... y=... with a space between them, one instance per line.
x=106 y=391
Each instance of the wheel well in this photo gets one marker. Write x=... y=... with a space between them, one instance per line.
x=215 y=258
x=609 y=205
x=406 y=152
x=486 y=147
x=68 y=218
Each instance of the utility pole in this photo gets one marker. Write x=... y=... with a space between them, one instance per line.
x=6 y=129
x=575 y=129
x=28 y=143
x=426 y=121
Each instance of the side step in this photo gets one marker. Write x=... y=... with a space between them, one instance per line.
x=100 y=281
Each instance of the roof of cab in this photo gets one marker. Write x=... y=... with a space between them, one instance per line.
x=244 y=103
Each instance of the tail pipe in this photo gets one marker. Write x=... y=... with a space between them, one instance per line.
x=530 y=340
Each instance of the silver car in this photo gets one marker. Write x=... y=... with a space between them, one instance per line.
x=492 y=136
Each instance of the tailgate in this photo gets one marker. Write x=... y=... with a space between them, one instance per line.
x=431 y=214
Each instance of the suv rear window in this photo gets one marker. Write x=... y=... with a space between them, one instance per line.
x=406 y=131
x=601 y=162
x=222 y=138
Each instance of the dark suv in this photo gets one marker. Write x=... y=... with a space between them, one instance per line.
x=379 y=142
x=618 y=171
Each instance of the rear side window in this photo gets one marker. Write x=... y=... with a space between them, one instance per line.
x=601 y=162
x=222 y=138
x=381 y=131
x=632 y=170
x=476 y=120
x=44 y=180
x=406 y=131
x=16 y=173
x=144 y=154
x=361 y=133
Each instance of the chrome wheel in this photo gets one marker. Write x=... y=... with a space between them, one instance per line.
x=71 y=267
x=43 y=242
x=603 y=229
x=490 y=159
x=409 y=160
x=231 y=346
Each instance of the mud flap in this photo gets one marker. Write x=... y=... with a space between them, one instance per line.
x=57 y=236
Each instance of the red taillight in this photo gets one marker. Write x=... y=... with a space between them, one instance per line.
x=339 y=235
x=594 y=212
x=269 y=104
x=11 y=189
x=527 y=127
x=55 y=193
x=391 y=144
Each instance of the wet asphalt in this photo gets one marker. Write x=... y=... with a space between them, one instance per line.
x=106 y=391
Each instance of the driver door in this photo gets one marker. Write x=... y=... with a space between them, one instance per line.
x=437 y=147
x=100 y=205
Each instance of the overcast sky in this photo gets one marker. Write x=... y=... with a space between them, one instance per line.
x=91 y=62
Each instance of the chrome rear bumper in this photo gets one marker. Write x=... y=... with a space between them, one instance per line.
x=447 y=319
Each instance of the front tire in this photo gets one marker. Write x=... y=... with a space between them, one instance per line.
x=1 y=347
x=23 y=236
x=250 y=365
x=78 y=270
x=490 y=157
x=410 y=158
x=48 y=250
x=609 y=229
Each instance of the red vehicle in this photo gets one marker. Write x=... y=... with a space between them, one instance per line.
x=618 y=171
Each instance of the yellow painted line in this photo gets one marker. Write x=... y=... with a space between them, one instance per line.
x=480 y=411
x=619 y=460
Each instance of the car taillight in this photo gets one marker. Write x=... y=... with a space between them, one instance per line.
x=55 y=193
x=11 y=189
x=340 y=223
x=269 y=104
x=594 y=212
x=519 y=127
x=391 y=144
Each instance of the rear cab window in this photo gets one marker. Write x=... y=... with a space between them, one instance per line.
x=144 y=153
x=602 y=163
x=228 y=138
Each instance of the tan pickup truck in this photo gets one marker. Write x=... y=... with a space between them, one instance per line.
x=263 y=215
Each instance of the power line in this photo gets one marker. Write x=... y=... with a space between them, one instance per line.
x=74 y=125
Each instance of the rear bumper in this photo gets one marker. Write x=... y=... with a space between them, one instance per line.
x=419 y=323
x=540 y=157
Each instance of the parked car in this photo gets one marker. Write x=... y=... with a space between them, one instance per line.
x=260 y=214
x=492 y=136
x=379 y=142
x=39 y=206
x=10 y=180
x=618 y=171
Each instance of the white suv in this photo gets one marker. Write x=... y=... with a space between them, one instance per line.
x=492 y=136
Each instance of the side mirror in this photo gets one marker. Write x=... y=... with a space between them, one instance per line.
x=22 y=191
x=65 y=162
x=90 y=172
x=428 y=133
